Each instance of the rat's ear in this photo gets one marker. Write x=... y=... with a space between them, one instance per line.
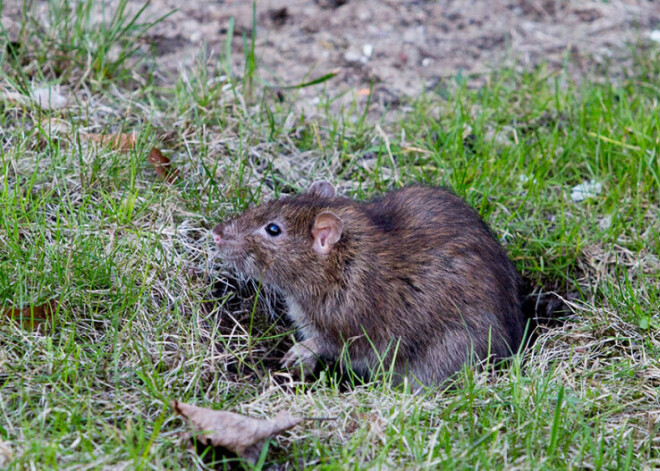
x=326 y=231
x=322 y=188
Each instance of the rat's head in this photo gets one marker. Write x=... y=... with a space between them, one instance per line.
x=286 y=241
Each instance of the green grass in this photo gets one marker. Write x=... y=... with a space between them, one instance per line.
x=140 y=321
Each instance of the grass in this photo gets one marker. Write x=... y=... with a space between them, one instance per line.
x=146 y=313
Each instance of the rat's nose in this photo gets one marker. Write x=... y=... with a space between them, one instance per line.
x=217 y=235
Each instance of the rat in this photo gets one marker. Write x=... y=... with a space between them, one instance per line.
x=413 y=281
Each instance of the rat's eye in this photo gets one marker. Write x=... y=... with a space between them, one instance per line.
x=273 y=229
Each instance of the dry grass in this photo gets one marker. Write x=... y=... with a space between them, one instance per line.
x=148 y=314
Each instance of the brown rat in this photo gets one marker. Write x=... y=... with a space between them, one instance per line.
x=414 y=279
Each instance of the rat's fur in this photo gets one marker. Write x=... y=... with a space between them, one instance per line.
x=416 y=271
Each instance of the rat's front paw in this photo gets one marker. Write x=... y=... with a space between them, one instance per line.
x=302 y=357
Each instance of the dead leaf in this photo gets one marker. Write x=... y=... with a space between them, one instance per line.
x=364 y=92
x=31 y=317
x=162 y=166
x=46 y=97
x=14 y=97
x=55 y=126
x=49 y=97
x=236 y=433
x=6 y=454
x=123 y=142
x=415 y=149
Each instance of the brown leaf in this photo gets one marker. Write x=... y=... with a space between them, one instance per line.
x=123 y=142
x=162 y=166
x=46 y=97
x=49 y=98
x=55 y=126
x=6 y=454
x=31 y=317
x=237 y=433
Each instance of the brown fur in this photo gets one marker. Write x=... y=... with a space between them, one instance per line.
x=416 y=271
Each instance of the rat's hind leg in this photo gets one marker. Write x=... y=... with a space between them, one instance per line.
x=443 y=358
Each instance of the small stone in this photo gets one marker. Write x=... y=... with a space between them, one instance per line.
x=585 y=190
x=352 y=56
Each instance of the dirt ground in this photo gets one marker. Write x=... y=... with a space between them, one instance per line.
x=400 y=46
x=404 y=47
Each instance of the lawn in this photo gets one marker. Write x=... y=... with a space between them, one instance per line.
x=142 y=311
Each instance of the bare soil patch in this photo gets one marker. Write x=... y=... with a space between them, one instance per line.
x=399 y=47
x=404 y=47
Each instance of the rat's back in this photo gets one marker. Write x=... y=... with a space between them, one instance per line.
x=451 y=286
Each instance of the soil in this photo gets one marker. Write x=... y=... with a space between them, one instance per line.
x=400 y=47
x=405 y=47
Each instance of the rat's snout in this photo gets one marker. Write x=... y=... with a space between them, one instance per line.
x=218 y=234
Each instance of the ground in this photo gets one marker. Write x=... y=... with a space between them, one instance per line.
x=399 y=47
x=403 y=48
x=543 y=115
